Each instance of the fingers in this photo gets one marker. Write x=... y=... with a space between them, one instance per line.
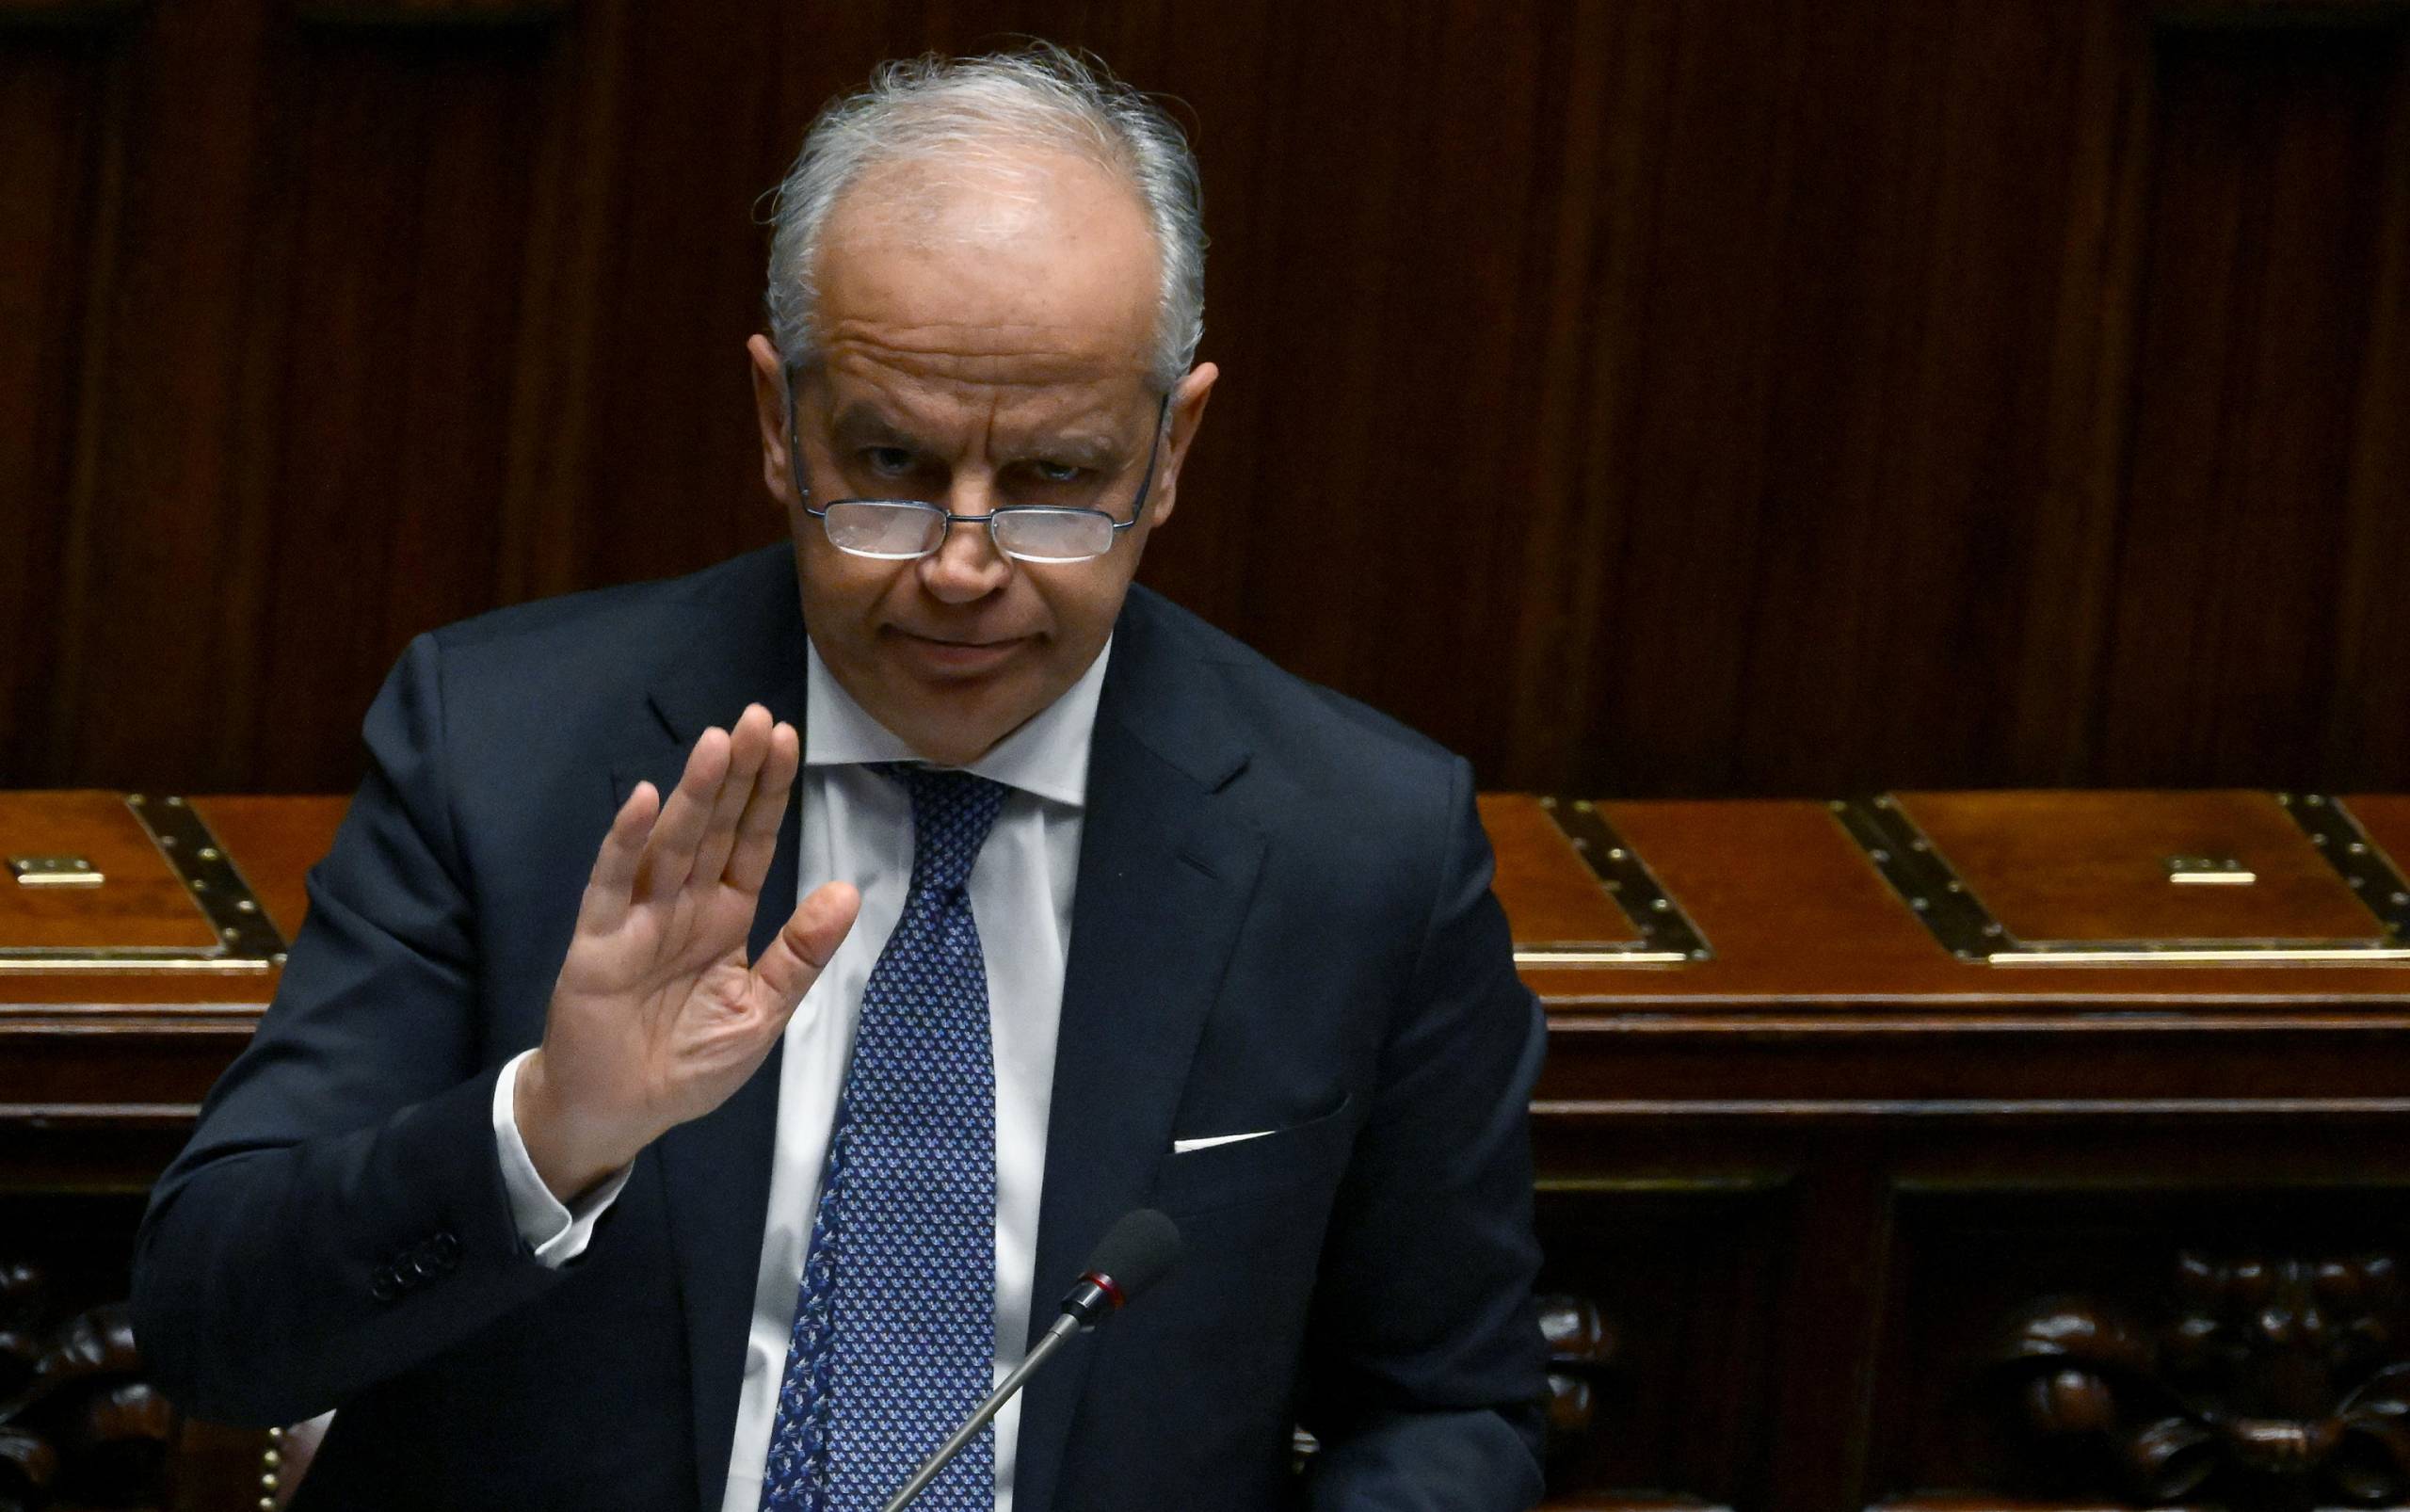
x=748 y=745
x=669 y=856
x=721 y=822
x=614 y=878
x=757 y=832
x=809 y=937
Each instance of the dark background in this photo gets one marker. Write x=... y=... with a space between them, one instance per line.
x=1650 y=397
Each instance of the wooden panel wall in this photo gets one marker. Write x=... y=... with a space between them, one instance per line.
x=1643 y=397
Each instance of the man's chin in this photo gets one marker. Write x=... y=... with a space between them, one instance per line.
x=957 y=721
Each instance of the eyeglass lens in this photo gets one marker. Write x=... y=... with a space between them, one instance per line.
x=898 y=530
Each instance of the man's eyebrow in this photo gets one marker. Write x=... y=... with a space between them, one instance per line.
x=1077 y=449
x=861 y=423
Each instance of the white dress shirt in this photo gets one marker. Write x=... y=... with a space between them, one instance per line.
x=856 y=825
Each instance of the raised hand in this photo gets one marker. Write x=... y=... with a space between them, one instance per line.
x=658 y=1017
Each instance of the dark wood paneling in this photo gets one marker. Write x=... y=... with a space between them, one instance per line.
x=1812 y=464
x=1650 y=397
x=159 y=572
x=402 y=163
x=2275 y=175
x=58 y=189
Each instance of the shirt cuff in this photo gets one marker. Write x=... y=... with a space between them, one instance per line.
x=557 y=1234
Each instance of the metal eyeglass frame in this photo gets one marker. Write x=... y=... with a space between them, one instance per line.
x=1138 y=508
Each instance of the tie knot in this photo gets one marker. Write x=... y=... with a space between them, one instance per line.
x=951 y=812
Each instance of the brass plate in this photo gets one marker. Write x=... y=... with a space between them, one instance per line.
x=54 y=871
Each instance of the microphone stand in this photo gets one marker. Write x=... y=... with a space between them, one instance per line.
x=1064 y=1326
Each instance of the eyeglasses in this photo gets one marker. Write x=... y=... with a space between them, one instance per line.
x=904 y=530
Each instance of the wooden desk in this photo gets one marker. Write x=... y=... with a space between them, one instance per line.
x=1836 y=1215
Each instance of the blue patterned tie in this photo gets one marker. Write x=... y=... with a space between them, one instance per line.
x=895 y=1322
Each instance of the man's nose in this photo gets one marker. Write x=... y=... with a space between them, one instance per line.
x=966 y=566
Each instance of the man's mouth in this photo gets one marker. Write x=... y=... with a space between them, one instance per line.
x=958 y=655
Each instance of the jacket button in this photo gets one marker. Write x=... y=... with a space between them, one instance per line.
x=445 y=1250
x=384 y=1286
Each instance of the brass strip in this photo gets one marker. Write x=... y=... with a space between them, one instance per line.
x=2022 y=1108
x=193 y=854
x=23 y=961
x=2358 y=859
x=1958 y=919
x=1667 y=936
x=1928 y=884
x=1562 y=958
x=2189 y=952
x=248 y=941
x=2209 y=871
x=54 y=871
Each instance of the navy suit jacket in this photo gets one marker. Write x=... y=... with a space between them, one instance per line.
x=1282 y=921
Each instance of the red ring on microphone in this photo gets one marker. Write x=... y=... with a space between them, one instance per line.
x=1104 y=1283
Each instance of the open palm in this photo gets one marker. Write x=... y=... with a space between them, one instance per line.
x=657 y=1016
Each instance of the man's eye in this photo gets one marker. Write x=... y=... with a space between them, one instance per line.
x=887 y=461
x=1057 y=472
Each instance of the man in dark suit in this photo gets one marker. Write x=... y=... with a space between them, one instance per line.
x=587 y=1159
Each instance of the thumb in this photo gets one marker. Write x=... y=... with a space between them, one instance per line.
x=805 y=942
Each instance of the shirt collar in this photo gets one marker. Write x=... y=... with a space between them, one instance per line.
x=1047 y=756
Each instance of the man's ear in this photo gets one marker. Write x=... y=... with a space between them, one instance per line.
x=1187 y=411
x=770 y=414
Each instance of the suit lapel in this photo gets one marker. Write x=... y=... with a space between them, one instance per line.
x=1165 y=875
x=747 y=648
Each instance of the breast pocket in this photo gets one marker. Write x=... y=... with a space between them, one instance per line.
x=1198 y=1181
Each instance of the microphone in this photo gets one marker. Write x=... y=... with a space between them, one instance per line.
x=1132 y=1256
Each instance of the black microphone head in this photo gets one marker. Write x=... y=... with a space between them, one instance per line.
x=1134 y=1252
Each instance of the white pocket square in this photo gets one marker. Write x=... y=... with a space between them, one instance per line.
x=1181 y=1146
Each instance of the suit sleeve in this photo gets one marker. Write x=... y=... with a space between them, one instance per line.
x=338 y=1215
x=1425 y=1368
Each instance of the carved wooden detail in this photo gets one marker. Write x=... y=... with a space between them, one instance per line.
x=1580 y=1347
x=77 y=1423
x=1584 y=1346
x=2262 y=1381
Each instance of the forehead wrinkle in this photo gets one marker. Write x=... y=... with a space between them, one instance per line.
x=1085 y=435
x=908 y=373
x=1021 y=356
x=941 y=336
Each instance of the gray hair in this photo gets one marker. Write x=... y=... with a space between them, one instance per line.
x=1039 y=95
